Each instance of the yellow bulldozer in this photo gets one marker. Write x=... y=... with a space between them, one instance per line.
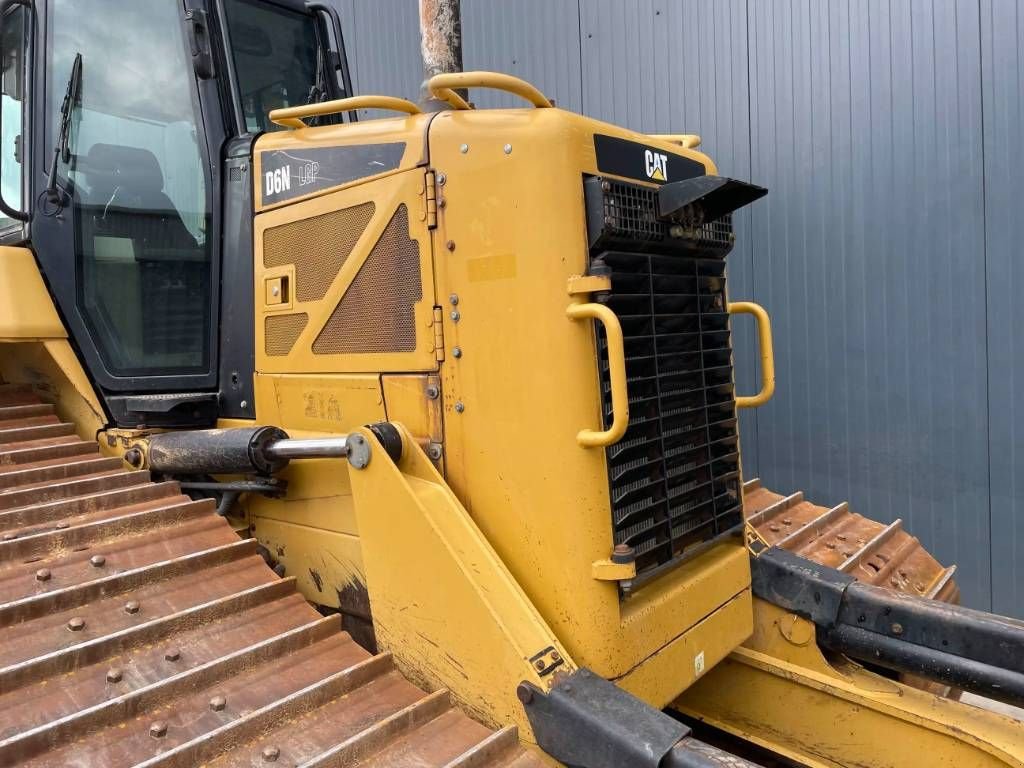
x=409 y=441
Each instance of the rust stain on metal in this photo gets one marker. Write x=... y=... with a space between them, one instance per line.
x=137 y=628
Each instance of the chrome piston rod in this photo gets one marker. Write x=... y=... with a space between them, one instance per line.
x=311 y=448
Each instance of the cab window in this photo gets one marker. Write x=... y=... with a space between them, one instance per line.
x=14 y=47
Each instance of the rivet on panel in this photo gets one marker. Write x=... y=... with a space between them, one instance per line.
x=132 y=606
x=457 y=352
x=455 y=316
x=113 y=675
x=459 y=407
x=217 y=703
x=158 y=729
x=97 y=561
x=43 y=574
x=450 y=245
x=76 y=623
x=454 y=299
x=270 y=754
x=539 y=665
x=508 y=149
x=434 y=451
x=441 y=179
x=464 y=148
x=433 y=392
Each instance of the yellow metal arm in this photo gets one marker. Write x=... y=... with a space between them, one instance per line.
x=590 y=438
x=764 y=332
x=292 y=117
x=443 y=87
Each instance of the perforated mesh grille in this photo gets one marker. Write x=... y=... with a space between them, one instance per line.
x=317 y=246
x=281 y=332
x=377 y=312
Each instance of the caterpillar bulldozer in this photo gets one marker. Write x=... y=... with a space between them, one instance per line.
x=409 y=441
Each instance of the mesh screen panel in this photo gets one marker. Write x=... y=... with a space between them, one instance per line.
x=317 y=246
x=377 y=312
x=281 y=332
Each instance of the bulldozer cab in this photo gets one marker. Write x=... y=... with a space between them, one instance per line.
x=126 y=135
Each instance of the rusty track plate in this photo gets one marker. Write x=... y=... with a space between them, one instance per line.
x=138 y=630
x=872 y=552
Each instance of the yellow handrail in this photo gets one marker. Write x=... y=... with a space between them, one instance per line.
x=685 y=140
x=764 y=332
x=292 y=117
x=443 y=87
x=590 y=438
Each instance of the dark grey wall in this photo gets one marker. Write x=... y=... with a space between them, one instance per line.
x=888 y=251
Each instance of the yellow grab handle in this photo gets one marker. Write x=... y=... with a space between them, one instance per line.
x=764 y=333
x=291 y=117
x=590 y=438
x=685 y=140
x=443 y=87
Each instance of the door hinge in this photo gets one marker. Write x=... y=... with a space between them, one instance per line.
x=438 y=334
x=431 y=200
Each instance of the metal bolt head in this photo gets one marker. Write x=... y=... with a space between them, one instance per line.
x=134 y=457
x=508 y=149
x=454 y=299
x=359 y=451
x=217 y=703
x=158 y=729
x=433 y=392
x=97 y=561
x=450 y=245
x=556 y=656
x=270 y=754
x=113 y=675
x=275 y=291
x=43 y=574
x=460 y=407
x=132 y=606
x=897 y=628
x=457 y=352
x=172 y=654
x=76 y=624
x=244 y=404
x=434 y=451
x=10 y=536
x=464 y=148
x=539 y=665
x=774 y=528
x=441 y=179
x=62 y=525
x=455 y=316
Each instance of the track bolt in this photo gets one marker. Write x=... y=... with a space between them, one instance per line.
x=173 y=654
x=97 y=561
x=270 y=754
x=897 y=628
x=43 y=574
x=831 y=545
x=158 y=729
x=113 y=675
x=787 y=521
x=76 y=624
x=217 y=703
x=62 y=525
x=10 y=536
x=774 y=528
x=450 y=245
x=132 y=606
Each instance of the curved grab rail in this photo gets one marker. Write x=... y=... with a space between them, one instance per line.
x=764 y=332
x=443 y=87
x=589 y=438
x=292 y=117
x=685 y=140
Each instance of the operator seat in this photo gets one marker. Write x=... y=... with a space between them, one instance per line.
x=126 y=199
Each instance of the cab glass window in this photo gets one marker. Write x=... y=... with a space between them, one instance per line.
x=135 y=174
x=13 y=44
x=277 y=58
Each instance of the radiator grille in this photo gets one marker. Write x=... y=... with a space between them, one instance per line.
x=378 y=311
x=674 y=477
x=317 y=246
x=282 y=331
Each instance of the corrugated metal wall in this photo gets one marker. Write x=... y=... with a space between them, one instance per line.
x=887 y=252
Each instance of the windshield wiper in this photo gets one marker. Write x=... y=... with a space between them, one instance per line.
x=62 y=149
